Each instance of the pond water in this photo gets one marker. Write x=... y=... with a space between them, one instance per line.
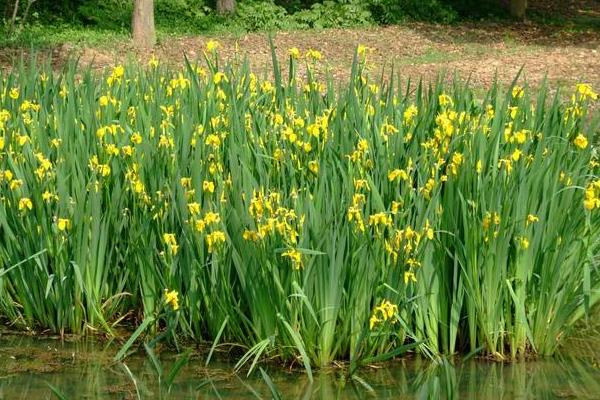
x=83 y=370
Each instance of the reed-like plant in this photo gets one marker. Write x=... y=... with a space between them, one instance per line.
x=295 y=217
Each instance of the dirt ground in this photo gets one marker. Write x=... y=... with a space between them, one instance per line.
x=421 y=50
x=478 y=51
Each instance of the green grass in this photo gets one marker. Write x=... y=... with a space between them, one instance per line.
x=430 y=55
x=298 y=219
x=585 y=21
x=45 y=36
x=42 y=36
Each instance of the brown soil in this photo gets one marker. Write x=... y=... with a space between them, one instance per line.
x=480 y=52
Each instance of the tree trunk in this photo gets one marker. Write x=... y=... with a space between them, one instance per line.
x=26 y=13
x=142 y=24
x=13 y=19
x=225 y=6
x=517 y=8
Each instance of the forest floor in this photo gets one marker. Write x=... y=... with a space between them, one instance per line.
x=563 y=52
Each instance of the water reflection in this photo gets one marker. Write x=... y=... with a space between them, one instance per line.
x=83 y=370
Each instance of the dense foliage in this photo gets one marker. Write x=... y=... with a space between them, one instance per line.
x=295 y=218
x=199 y=15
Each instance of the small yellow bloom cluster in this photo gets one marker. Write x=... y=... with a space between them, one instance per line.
x=295 y=257
x=266 y=207
x=14 y=93
x=102 y=169
x=48 y=196
x=172 y=299
x=409 y=276
x=63 y=224
x=523 y=242
x=294 y=53
x=208 y=186
x=507 y=163
x=445 y=128
x=178 y=82
x=25 y=204
x=580 y=141
x=362 y=50
x=445 y=100
x=105 y=100
x=171 y=242
x=300 y=138
x=210 y=218
x=215 y=239
x=531 y=218
x=381 y=219
x=565 y=179
x=387 y=130
x=438 y=146
x=427 y=189
x=491 y=219
x=409 y=114
x=592 y=195
x=455 y=163
x=212 y=46
x=272 y=219
x=360 y=151
x=517 y=92
x=518 y=137
x=7 y=176
x=383 y=312
x=44 y=171
x=313 y=55
x=137 y=185
x=153 y=62
x=585 y=91
x=355 y=214
x=404 y=244
x=116 y=76
x=401 y=174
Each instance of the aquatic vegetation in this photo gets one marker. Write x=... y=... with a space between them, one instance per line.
x=294 y=217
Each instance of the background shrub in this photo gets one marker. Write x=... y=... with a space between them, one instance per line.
x=336 y=14
x=263 y=15
x=395 y=11
x=193 y=16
